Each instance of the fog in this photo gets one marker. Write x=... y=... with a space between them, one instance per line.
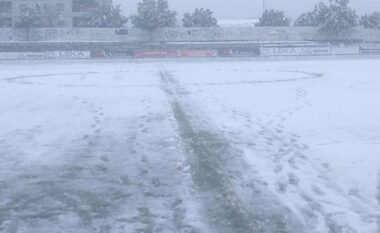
x=250 y=8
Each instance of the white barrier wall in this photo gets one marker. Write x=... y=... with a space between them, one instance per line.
x=22 y=56
x=295 y=51
x=8 y=34
x=236 y=34
x=265 y=50
x=74 y=34
x=68 y=54
x=260 y=34
x=345 y=50
x=90 y=34
x=183 y=34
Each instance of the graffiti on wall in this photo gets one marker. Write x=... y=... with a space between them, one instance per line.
x=181 y=34
x=51 y=34
x=174 y=33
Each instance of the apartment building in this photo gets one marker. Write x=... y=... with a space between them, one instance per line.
x=64 y=13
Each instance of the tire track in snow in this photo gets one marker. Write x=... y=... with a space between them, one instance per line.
x=287 y=152
x=211 y=159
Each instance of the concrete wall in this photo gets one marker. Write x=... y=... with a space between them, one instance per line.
x=236 y=34
x=184 y=34
x=259 y=34
x=72 y=34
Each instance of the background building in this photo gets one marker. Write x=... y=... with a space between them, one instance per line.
x=65 y=13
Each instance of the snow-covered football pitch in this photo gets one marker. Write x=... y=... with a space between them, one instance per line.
x=285 y=146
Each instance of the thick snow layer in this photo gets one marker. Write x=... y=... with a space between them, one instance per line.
x=315 y=141
x=136 y=147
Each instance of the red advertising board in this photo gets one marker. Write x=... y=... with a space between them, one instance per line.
x=198 y=53
x=225 y=53
x=155 y=53
x=98 y=54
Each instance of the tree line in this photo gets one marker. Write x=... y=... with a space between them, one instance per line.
x=334 y=18
x=151 y=14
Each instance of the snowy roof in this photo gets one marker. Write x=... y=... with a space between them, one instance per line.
x=237 y=22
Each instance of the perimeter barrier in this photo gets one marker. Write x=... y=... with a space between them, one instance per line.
x=266 y=50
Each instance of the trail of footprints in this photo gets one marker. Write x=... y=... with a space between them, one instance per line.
x=285 y=151
x=285 y=148
x=141 y=191
x=97 y=118
x=270 y=138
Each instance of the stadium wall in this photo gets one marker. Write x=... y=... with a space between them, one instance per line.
x=183 y=34
x=74 y=35
x=263 y=50
x=79 y=43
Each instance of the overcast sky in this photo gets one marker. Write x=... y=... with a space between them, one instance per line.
x=235 y=9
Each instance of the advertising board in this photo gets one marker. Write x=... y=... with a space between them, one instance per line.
x=155 y=53
x=22 y=55
x=119 y=54
x=240 y=52
x=370 y=51
x=198 y=53
x=345 y=50
x=295 y=51
x=68 y=54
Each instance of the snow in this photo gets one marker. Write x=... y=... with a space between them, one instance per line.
x=113 y=147
x=317 y=138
